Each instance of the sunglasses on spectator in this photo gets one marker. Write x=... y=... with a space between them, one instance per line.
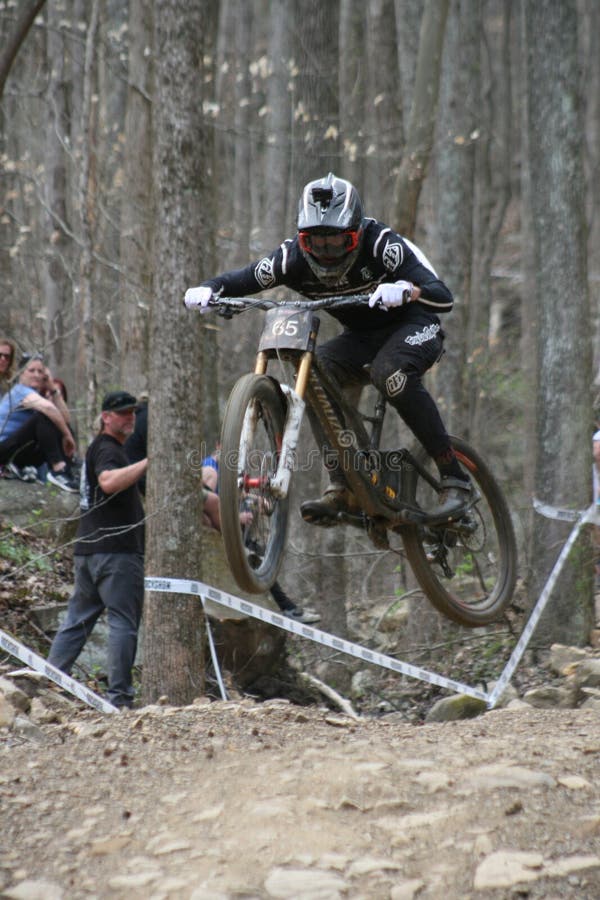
x=5 y=355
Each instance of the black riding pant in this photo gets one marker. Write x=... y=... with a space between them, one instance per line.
x=398 y=356
x=36 y=442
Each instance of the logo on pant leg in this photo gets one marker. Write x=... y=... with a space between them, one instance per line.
x=395 y=382
x=428 y=333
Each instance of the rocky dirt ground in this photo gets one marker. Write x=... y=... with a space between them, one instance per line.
x=238 y=799
x=241 y=799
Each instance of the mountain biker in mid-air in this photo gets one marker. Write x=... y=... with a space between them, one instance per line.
x=338 y=251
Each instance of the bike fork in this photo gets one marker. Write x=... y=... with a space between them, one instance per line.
x=280 y=483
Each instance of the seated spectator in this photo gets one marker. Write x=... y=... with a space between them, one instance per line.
x=210 y=481
x=7 y=364
x=34 y=431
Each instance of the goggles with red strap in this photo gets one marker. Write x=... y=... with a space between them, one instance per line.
x=329 y=246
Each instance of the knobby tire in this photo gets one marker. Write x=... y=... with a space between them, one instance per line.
x=254 y=551
x=484 y=567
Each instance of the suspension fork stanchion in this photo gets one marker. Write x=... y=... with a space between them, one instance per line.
x=260 y=366
x=295 y=413
x=303 y=373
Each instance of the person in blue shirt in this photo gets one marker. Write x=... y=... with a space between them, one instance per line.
x=34 y=430
x=210 y=482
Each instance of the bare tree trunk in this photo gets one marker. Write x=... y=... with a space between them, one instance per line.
x=422 y=117
x=224 y=127
x=278 y=126
x=87 y=194
x=528 y=350
x=458 y=123
x=55 y=278
x=589 y=29
x=353 y=83
x=383 y=114
x=408 y=17
x=564 y=348
x=136 y=251
x=316 y=108
x=23 y=24
x=174 y=625
x=242 y=210
x=493 y=159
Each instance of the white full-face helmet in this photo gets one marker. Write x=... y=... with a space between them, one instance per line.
x=330 y=217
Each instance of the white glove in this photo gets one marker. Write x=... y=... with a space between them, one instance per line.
x=388 y=295
x=198 y=297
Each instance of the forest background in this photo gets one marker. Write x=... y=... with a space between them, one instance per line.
x=146 y=145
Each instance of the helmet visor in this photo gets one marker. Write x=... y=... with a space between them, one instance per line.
x=328 y=246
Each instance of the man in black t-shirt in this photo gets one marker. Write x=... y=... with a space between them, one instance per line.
x=109 y=552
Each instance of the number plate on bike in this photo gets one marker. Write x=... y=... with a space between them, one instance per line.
x=288 y=329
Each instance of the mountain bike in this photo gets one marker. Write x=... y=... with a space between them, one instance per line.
x=466 y=565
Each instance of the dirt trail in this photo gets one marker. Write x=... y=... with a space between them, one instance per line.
x=237 y=799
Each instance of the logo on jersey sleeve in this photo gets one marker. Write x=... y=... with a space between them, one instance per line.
x=264 y=272
x=392 y=256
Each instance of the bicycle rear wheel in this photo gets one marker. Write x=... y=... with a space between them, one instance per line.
x=253 y=521
x=467 y=569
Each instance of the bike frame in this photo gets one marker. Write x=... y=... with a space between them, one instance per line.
x=291 y=335
x=467 y=567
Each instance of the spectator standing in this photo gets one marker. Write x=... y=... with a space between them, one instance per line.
x=109 y=552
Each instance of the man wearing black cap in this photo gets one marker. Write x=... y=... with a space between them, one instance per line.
x=109 y=552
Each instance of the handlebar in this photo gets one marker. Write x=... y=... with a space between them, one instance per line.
x=229 y=306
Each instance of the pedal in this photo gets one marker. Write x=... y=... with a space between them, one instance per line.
x=323 y=520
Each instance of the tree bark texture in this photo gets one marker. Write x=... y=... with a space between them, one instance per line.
x=24 y=22
x=174 y=625
x=455 y=170
x=419 y=142
x=564 y=346
x=315 y=100
x=137 y=232
x=57 y=258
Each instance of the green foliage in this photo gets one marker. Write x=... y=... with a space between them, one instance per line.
x=20 y=554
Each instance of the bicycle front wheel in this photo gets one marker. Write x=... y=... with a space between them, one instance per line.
x=253 y=521
x=468 y=568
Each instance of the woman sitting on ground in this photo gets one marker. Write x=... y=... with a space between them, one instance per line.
x=34 y=431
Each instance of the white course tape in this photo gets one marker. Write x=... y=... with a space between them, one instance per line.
x=39 y=664
x=563 y=515
x=584 y=518
x=206 y=592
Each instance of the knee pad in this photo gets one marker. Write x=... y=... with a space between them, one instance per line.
x=395 y=384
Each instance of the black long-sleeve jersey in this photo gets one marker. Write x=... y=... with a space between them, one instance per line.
x=384 y=256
